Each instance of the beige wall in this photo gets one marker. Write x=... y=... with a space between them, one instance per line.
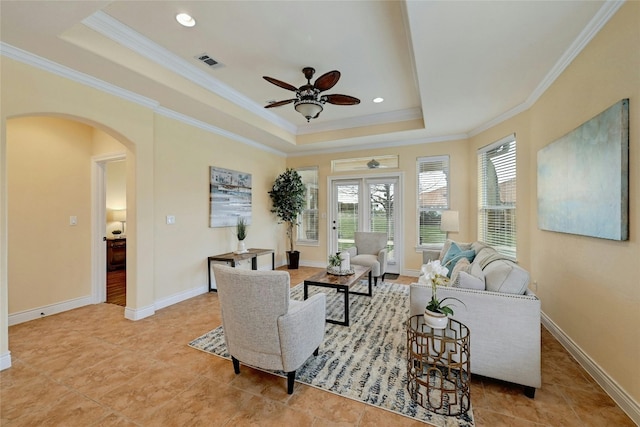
x=49 y=178
x=582 y=279
x=183 y=155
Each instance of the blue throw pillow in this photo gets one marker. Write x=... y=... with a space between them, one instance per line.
x=455 y=254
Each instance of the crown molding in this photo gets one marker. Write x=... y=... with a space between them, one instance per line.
x=608 y=9
x=370 y=120
x=68 y=73
x=383 y=144
x=76 y=76
x=214 y=129
x=136 y=42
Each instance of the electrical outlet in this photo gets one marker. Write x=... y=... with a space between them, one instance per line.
x=535 y=285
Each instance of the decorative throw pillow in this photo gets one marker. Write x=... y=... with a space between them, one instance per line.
x=462 y=265
x=455 y=254
x=467 y=281
x=447 y=245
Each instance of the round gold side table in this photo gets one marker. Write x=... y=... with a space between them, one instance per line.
x=438 y=366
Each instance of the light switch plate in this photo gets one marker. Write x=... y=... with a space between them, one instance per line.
x=171 y=219
x=73 y=220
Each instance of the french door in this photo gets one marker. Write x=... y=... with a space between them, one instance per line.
x=366 y=204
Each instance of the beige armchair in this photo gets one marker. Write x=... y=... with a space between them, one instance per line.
x=262 y=326
x=370 y=251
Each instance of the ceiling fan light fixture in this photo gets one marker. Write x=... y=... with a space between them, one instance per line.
x=373 y=164
x=309 y=108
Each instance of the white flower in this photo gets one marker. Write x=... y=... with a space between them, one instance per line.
x=432 y=270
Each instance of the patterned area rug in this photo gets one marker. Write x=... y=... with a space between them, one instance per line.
x=366 y=361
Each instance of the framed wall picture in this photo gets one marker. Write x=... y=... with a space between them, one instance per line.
x=583 y=178
x=229 y=197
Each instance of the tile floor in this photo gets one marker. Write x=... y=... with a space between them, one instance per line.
x=92 y=367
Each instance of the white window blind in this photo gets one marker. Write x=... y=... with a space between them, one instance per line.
x=308 y=224
x=497 y=195
x=433 y=198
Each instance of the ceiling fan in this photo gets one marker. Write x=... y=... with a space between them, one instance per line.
x=308 y=100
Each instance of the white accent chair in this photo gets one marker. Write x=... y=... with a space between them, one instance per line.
x=263 y=327
x=370 y=251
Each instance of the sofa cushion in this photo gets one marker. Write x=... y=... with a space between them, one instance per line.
x=455 y=254
x=468 y=281
x=502 y=275
x=476 y=271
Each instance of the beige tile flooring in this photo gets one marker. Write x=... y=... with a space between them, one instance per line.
x=92 y=367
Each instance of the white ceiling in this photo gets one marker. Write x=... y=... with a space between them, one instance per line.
x=446 y=69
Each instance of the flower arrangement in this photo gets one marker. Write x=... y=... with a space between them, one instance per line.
x=436 y=274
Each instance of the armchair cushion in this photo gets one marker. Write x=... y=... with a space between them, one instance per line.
x=370 y=251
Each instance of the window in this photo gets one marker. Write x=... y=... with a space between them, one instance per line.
x=497 y=195
x=433 y=198
x=308 y=225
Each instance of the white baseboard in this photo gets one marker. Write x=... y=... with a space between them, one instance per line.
x=182 y=296
x=411 y=273
x=48 y=310
x=5 y=361
x=316 y=264
x=608 y=384
x=139 y=313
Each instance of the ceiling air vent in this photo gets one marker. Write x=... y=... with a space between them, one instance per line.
x=209 y=60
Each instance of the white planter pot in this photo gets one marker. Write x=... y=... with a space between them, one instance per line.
x=435 y=320
x=241 y=247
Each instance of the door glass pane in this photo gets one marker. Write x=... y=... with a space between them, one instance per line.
x=381 y=215
x=347 y=218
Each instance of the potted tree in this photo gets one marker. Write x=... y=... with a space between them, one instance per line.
x=288 y=198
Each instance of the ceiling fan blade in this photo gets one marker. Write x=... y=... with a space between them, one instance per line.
x=338 y=99
x=279 y=103
x=327 y=80
x=282 y=84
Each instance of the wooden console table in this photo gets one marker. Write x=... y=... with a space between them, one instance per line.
x=233 y=258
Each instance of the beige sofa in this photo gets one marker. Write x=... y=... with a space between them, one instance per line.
x=503 y=318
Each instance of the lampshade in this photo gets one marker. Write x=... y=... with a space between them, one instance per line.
x=449 y=221
x=309 y=108
x=117 y=215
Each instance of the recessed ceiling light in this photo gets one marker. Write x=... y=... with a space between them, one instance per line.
x=185 y=20
x=378 y=100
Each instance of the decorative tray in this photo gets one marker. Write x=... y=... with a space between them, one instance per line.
x=337 y=272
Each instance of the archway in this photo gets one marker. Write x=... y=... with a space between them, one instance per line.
x=49 y=165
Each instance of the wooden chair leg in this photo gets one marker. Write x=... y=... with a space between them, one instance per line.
x=291 y=378
x=236 y=365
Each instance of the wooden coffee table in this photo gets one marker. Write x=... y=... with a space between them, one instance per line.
x=342 y=284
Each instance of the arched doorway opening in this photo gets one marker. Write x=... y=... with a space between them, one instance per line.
x=55 y=221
